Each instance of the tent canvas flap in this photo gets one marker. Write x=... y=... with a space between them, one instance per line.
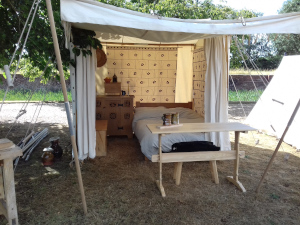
x=92 y=15
x=276 y=105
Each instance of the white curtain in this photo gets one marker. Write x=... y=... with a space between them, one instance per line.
x=215 y=100
x=86 y=105
x=184 y=74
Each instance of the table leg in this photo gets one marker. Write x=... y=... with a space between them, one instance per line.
x=237 y=159
x=235 y=178
x=177 y=172
x=9 y=188
x=214 y=171
x=159 y=182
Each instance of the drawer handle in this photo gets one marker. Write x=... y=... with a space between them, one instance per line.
x=120 y=104
x=120 y=128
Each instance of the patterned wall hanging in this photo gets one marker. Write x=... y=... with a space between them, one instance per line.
x=147 y=73
x=199 y=70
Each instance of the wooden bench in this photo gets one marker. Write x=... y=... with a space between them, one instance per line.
x=200 y=156
x=101 y=137
x=212 y=156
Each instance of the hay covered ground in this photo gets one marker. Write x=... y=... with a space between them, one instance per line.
x=120 y=187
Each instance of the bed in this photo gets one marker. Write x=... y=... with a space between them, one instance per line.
x=156 y=145
x=150 y=113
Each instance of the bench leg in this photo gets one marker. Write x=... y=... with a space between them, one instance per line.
x=214 y=171
x=177 y=172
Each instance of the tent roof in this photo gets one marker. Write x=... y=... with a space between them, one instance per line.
x=93 y=15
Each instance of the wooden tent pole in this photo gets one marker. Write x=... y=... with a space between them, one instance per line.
x=278 y=145
x=67 y=106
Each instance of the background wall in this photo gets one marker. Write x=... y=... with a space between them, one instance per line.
x=148 y=73
x=199 y=69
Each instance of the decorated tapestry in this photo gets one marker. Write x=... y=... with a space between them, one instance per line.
x=199 y=69
x=147 y=73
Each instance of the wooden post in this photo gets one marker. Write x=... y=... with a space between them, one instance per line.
x=237 y=160
x=235 y=178
x=159 y=182
x=177 y=172
x=278 y=145
x=214 y=171
x=67 y=106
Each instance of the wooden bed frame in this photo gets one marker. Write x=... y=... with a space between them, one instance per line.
x=188 y=105
x=179 y=158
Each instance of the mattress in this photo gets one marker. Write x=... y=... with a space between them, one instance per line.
x=150 y=115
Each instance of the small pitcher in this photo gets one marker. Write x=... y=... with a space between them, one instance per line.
x=57 y=150
x=48 y=157
x=175 y=118
x=167 y=119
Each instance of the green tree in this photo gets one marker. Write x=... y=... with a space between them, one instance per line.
x=288 y=44
x=259 y=50
x=39 y=48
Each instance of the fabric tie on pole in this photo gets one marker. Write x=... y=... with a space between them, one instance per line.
x=8 y=77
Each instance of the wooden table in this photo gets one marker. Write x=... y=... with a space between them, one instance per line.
x=201 y=156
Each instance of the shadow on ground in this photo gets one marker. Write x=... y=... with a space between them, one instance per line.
x=120 y=188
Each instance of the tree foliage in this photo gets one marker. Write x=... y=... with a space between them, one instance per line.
x=261 y=50
x=39 y=49
x=183 y=9
x=288 y=44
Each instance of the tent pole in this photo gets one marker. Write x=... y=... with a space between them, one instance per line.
x=278 y=145
x=67 y=106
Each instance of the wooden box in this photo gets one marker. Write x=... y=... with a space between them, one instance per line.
x=113 y=88
x=118 y=111
x=101 y=141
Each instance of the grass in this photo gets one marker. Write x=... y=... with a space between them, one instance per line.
x=23 y=95
x=245 y=96
x=252 y=72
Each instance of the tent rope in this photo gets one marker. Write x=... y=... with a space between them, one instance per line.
x=236 y=43
x=21 y=36
x=239 y=98
x=256 y=141
x=23 y=109
x=23 y=48
x=263 y=79
x=239 y=45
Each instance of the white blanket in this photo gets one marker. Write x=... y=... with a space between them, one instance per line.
x=149 y=141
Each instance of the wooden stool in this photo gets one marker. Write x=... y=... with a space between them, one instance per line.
x=101 y=140
x=8 y=206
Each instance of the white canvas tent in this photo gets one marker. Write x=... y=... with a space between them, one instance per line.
x=276 y=105
x=114 y=24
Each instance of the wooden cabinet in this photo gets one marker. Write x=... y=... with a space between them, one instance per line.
x=118 y=111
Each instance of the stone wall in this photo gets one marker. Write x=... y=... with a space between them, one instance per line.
x=244 y=82
x=22 y=83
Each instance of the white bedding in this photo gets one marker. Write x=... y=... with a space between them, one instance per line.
x=150 y=115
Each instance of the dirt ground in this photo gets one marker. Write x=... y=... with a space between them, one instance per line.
x=120 y=188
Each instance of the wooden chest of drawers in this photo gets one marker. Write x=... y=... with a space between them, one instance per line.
x=118 y=111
